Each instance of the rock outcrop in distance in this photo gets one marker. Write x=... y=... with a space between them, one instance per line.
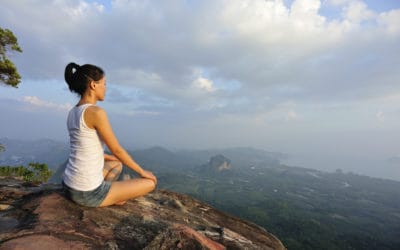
x=42 y=218
x=217 y=164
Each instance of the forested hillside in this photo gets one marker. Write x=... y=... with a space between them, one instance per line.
x=305 y=208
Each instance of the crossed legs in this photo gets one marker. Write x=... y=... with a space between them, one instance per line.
x=121 y=191
x=112 y=170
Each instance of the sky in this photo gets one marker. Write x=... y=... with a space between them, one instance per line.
x=316 y=80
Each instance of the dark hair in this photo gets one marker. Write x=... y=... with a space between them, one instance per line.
x=78 y=77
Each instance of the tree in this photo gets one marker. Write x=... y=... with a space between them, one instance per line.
x=2 y=148
x=8 y=72
x=41 y=172
x=34 y=173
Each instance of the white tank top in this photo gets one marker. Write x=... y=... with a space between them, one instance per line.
x=84 y=170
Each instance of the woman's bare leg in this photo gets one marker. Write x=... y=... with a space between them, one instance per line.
x=112 y=170
x=122 y=191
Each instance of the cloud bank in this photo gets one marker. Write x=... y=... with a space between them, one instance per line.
x=249 y=72
x=266 y=48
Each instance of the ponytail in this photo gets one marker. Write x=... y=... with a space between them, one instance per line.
x=69 y=72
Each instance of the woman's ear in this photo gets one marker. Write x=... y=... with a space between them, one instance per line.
x=92 y=85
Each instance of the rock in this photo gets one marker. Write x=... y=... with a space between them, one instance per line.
x=217 y=164
x=4 y=207
x=220 y=163
x=42 y=218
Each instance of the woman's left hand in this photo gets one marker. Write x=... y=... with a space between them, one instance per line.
x=149 y=175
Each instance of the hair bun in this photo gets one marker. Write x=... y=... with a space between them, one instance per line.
x=70 y=70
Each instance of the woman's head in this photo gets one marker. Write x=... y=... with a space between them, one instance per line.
x=79 y=77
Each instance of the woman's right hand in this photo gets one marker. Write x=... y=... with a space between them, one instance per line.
x=149 y=175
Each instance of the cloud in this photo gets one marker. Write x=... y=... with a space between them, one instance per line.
x=33 y=102
x=185 y=55
x=357 y=11
x=25 y=121
x=204 y=84
x=389 y=21
x=115 y=95
x=339 y=2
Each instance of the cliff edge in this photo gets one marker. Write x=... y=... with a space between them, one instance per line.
x=41 y=218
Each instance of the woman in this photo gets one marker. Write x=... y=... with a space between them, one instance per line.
x=89 y=174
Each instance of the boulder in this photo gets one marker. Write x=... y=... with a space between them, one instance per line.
x=42 y=218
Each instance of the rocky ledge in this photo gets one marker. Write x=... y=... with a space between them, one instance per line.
x=41 y=218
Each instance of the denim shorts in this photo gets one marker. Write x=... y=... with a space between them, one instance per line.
x=91 y=198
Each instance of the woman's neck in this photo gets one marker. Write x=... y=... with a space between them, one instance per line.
x=87 y=100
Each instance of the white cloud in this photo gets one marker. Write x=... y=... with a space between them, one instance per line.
x=34 y=102
x=302 y=10
x=81 y=9
x=357 y=11
x=252 y=72
x=275 y=52
x=339 y=2
x=204 y=84
x=390 y=22
x=139 y=112
x=137 y=78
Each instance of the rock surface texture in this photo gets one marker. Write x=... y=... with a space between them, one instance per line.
x=41 y=218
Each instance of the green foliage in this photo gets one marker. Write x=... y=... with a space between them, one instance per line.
x=305 y=209
x=2 y=148
x=19 y=171
x=41 y=172
x=8 y=72
x=35 y=172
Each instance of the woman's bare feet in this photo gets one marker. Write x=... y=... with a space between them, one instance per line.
x=120 y=203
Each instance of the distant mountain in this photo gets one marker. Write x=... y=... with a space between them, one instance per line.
x=243 y=157
x=217 y=164
x=159 y=158
x=21 y=152
x=162 y=160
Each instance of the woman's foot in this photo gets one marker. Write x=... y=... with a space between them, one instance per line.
x=120 y=203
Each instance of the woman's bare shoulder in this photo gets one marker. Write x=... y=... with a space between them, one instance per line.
x=95 y=110
x=94 y=115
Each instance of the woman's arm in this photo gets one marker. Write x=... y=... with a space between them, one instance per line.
x=108 y=157
x=97 y=118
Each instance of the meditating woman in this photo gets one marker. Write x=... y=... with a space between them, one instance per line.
x=90 y=177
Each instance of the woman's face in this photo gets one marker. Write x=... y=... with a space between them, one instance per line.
x=101 y=89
